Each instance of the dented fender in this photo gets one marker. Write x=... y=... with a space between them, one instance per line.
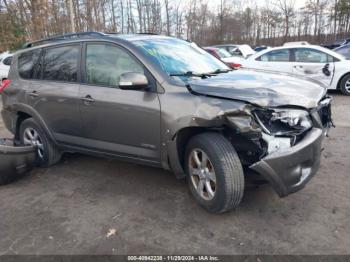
x=199 y=112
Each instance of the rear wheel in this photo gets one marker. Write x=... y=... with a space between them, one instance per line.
x=32 y=134
x=214 y=171
x=345 y=85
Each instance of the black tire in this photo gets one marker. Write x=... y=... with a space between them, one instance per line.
x=229 y=187
x=50 y=153
x=343 y=85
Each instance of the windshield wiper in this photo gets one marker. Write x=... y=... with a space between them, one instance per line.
x=202 y=75
x=190 y=74
x=220 y=71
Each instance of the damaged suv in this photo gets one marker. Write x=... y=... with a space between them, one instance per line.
x=166 y=102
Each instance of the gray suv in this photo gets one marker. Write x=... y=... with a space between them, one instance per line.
x=165 y=102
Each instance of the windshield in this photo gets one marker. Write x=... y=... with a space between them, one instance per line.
x=223 y=53
x=176 y=56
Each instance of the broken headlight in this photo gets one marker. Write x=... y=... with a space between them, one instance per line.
x=283 y=121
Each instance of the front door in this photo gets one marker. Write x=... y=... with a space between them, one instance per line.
x=314 y=64
x=117 y=121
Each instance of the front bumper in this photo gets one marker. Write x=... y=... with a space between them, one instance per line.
x=9 y=118
x=15 y=161
x=290 y=169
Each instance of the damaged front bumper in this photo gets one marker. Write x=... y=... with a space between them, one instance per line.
x=15 y=160
x=289 y=169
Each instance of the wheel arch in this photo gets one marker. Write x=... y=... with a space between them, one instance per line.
x=177 y=147
x=184 y=135
x=24 y=112
x=341 y=78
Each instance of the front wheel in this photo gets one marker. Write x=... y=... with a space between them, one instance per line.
x=214 y=172
x=345 y=85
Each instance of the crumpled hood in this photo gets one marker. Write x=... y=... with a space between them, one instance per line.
x=262 y=88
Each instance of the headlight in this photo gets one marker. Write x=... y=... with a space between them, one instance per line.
x=283 y=121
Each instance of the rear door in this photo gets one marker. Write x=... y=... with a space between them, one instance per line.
x=55 y=94
x=125 y=122
x=313 y=63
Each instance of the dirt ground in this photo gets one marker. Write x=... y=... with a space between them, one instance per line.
x=90 y=205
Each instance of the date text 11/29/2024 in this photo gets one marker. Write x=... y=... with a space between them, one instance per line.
x=173 y=258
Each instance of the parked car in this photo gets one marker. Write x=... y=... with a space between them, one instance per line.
x=238 y=50
x=336 y=44
x=5 y=62
x=232 y=61
x=344 y=50
x=167 y=103
x=260 y=48
x=321 y=64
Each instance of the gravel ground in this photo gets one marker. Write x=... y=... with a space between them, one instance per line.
x=90 y=205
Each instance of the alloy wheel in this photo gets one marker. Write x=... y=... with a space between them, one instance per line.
x=31 y=138
x=202 y=174
x=347 y=85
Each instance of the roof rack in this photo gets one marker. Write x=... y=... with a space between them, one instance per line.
x=146 y=33
x=64 y=37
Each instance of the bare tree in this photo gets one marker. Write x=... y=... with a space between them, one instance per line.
x=202 y=21
x=287 y=9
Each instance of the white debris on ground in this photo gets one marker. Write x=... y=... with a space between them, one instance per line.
x=111 y=232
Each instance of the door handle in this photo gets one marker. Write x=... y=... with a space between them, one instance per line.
x=88 y=99
x=34 y=94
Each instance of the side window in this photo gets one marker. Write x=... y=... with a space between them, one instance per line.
x=7 y=61
x=275 y=56
x=306 y=55
x=28 y=64
x=61 y=63
x=106 y=62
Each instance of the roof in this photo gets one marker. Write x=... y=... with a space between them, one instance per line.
x=88 y=35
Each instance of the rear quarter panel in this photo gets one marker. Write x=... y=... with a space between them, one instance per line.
x=341 y=69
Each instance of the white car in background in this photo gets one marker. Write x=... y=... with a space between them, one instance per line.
x=243 y=51
x=5 y=62
x=311 y=61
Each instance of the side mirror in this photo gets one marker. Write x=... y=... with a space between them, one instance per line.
x=133 y=81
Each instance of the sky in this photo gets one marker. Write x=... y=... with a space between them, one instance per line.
x=214 y=3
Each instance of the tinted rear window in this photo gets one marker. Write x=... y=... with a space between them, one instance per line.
x=61 y=63
x=28 y=64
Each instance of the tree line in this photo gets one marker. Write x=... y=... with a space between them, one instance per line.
x=255 y=22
